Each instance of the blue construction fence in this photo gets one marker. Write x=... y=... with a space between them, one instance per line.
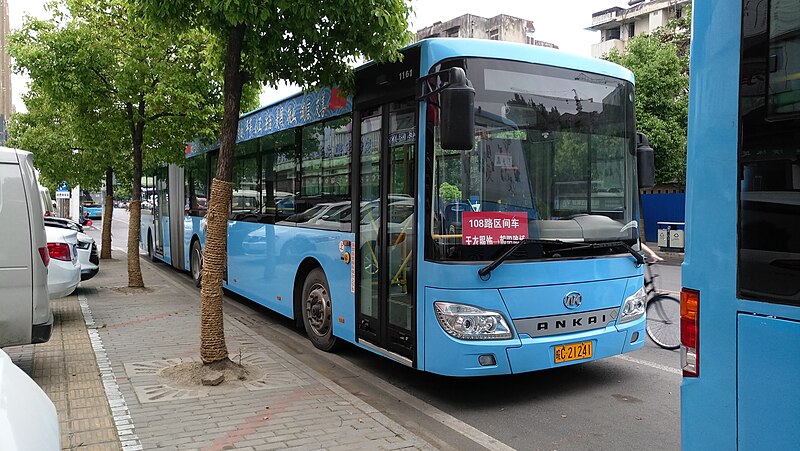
x=657 y=208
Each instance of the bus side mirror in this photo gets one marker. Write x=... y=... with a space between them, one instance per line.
x=458 y=112
x=645 y=162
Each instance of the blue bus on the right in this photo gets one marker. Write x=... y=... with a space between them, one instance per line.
x=740 y=308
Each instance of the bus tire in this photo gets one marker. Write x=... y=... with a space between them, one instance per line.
x=196 y=263
x=317 y=310
x=150 y=253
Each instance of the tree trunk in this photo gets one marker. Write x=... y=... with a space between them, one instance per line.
x=108 y=216
x=212 y=330
x=134 y=226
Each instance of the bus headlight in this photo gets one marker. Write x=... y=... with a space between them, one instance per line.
x=633 y=308
x=471 y=323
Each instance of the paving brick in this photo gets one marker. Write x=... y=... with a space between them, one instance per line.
x=163 y=323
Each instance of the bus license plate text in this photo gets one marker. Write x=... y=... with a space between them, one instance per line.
x=573 y=351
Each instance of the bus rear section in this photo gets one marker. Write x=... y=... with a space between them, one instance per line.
x=740 y=312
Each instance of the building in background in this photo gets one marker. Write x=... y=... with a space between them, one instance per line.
x=499 y=28
x=5 y=73
x=617 y=25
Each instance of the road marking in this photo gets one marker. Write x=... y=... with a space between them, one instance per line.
x=120 y=220
x=657 y=366
x=119 y=408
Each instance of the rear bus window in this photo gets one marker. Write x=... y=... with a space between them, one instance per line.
x=769 y=154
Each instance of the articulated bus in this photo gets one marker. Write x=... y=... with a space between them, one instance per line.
x=740 y=308
x=359 y=217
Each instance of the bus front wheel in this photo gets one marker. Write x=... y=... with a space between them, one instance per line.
x=318 y=311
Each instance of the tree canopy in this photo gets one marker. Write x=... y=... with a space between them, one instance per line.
x=62 y=149
x=126 y=91
x=310 y=44
x=660 y=63
x=96 y=69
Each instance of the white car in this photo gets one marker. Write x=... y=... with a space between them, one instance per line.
x=28 y=419
x=64 y=270
x=87 y=248
x=88 y=256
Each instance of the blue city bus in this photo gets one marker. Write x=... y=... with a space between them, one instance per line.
x=90 y=205
x=740 y=308
x=516 y=253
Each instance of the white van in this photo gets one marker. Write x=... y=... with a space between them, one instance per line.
x=25 y=315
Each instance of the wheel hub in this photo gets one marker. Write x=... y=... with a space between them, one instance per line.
x=318 y=310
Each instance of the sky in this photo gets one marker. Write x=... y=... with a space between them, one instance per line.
x=561 y=22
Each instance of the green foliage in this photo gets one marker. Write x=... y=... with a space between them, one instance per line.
x=49 y=130
x=99 y=72
x=660 y=63
x=309 y=43
x=571 y=161
x=449 y=192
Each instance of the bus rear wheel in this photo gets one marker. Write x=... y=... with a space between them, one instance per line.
x=196 y=263
x=150 y=254
x=317 y=310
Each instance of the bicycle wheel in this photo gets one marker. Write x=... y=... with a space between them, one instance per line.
x=663 y=321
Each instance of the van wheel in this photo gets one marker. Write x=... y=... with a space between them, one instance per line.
x=196 y=263
x=318 y=310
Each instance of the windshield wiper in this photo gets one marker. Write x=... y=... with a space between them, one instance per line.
x=639 y=258
x=487 y=270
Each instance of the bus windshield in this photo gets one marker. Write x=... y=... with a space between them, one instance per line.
x=553 y=159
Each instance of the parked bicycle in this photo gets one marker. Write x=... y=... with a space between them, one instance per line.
x=663 y=313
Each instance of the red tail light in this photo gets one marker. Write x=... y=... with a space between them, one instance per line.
x=59 y=251
x=43 y=252
x=47 y=213
x=690 y=332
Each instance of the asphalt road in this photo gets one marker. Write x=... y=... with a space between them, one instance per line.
x=619 y=403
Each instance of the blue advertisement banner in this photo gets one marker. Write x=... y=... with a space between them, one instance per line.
x=297 y=111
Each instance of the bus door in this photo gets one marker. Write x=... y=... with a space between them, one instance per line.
x=161 y=214
x=386 y=237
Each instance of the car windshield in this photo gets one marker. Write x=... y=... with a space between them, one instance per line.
x=553 y=159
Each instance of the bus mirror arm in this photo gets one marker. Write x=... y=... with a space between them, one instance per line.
x=645 y=162
x=457 y=105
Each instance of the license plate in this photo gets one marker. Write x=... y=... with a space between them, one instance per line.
x=573 y=351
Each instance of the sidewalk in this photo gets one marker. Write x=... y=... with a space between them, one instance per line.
x=66 y=369
x=130 y=336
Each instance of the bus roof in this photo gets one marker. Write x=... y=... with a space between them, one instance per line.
x=438 y=49
x=309 y=107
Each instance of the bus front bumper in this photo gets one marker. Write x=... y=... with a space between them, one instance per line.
x=539 y=353
x=523 y=354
